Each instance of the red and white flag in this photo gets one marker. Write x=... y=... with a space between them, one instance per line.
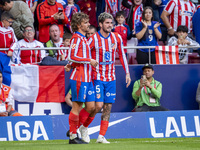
x=167 y=55
x=33 y=83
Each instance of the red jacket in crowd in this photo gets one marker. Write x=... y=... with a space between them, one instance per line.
x=7 y=37
x=45 y=14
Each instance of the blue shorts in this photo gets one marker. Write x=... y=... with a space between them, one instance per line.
x=105 y=91
x=82 y=91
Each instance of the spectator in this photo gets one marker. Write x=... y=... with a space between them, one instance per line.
x=147 y=33
x=159 y=6
x=32 y=4
x=28 y=56
x=63 y=2
x=147 y=92
x=92 y=30
x=111 y=7
x=127 y=6
x=21 y=13
x=135 y=13
x=6 y=100
x=122 y=28
x=89 y=8
x=180 y=12
x=7 y=34
x=198 y=95
x=71 y=9
x=182 y=40
x=66 y=41
x=134 y=16
x=55 y=41
x=50 y=12
x=195 y=23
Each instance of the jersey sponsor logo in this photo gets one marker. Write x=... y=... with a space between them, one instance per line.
x=186 y=13
x=90 y=92
x=106 y=63
x=108 y=94
x=113 y=94
x=107 y=56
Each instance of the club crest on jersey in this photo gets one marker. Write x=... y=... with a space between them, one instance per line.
x=98 y=96
x=124 y=31
x=73 y=46
x=113 y=45
x=107 y=56
x=9 y=36
x=150 y=31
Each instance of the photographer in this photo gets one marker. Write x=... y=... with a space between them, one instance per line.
x=147 y=92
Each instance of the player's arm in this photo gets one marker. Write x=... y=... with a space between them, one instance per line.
x=73 y=51
x=68 y=98
x=123 y=60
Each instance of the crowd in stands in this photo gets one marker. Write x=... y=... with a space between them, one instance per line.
x=144 y=22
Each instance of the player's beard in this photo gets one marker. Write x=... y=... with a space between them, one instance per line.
x=106 y=30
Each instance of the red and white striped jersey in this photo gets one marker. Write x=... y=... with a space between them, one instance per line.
x=181 y=13
x=103 y=50
x=80 y=55
x=137 y=15
x=7 y=37
x=60 y=52
x=111 y=6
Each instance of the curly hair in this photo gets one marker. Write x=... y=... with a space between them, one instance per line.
x=103 y=16
x=77 y=19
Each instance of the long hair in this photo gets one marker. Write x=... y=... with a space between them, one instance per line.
x=77 y=19
x=143 y=13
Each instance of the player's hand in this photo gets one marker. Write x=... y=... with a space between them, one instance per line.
x=4 y=114
x=93 y=62
x=128 y=79
x=68 y=67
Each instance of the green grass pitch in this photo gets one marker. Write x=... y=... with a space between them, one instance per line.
x=116 y=144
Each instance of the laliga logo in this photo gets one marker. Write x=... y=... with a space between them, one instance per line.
x=23 y=132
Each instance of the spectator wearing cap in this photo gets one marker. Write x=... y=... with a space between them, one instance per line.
x=147 y=92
